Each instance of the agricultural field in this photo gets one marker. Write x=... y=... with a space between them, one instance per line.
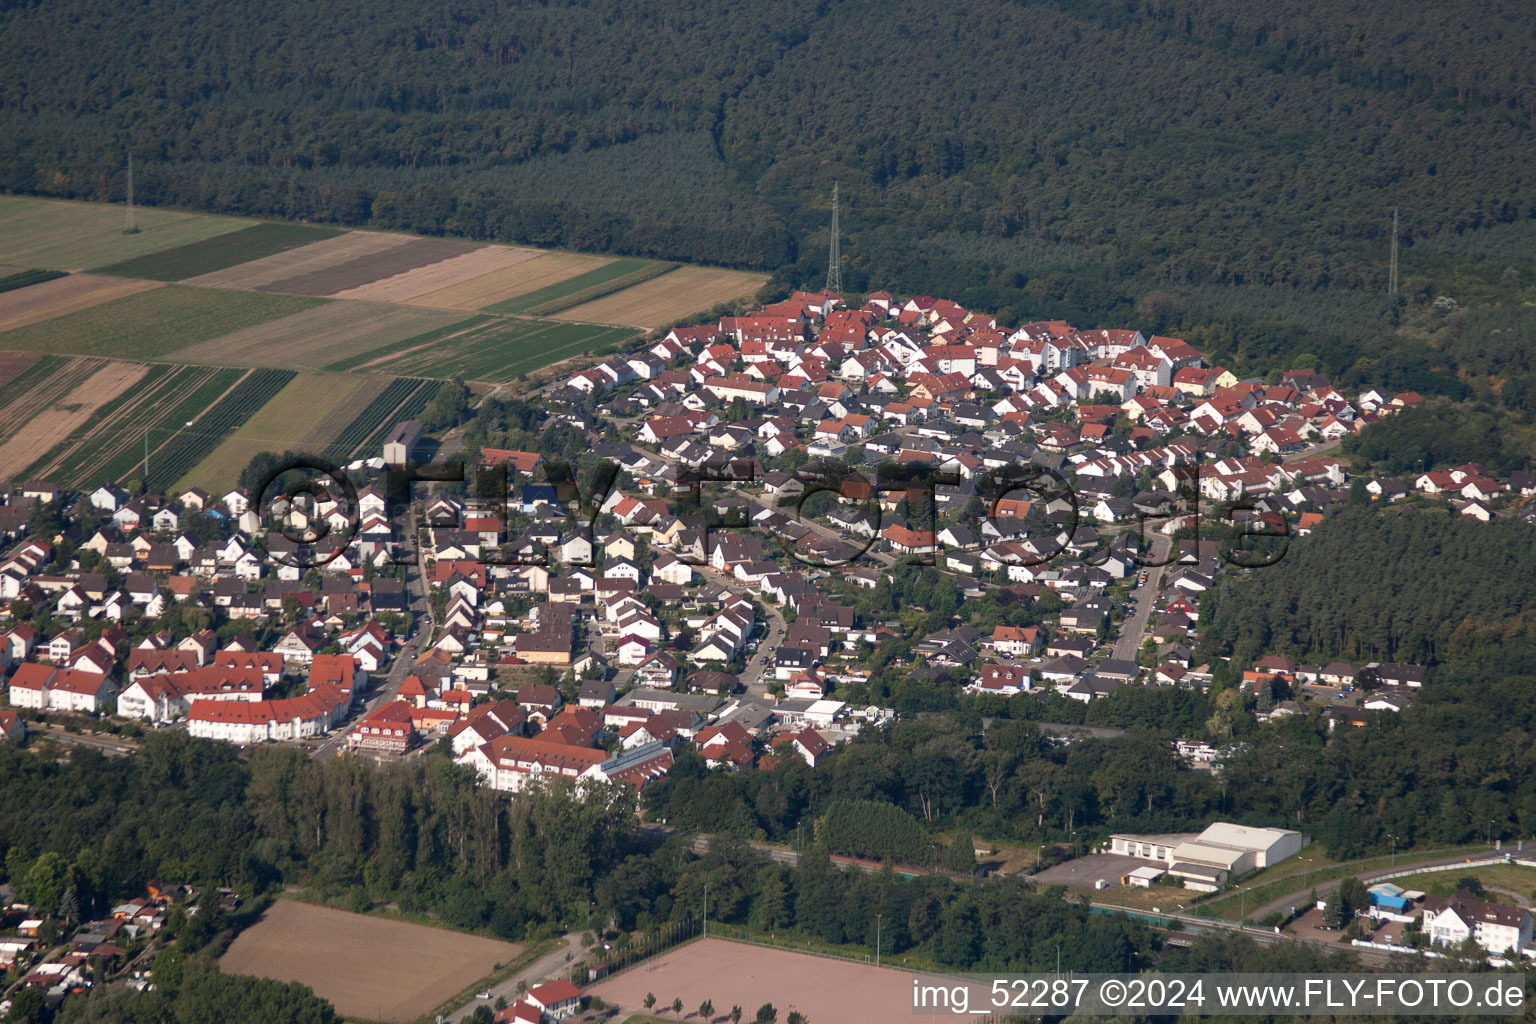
x=382 y=353
x=151 y=413
x=13 y=364
x=61 y=235
x=491 y=290
x=313 y=258
x=403 y=399
x=61 y=296
x=585 y=287
x=669 y=298
x=318 y=336
x=58 y=406
x=190 y=445
x=368 y=967
x=370 y=267
x=13 y=279
x=221 y=251
x=435 y=277
x=149 y=324
x=500 y=350
x=290 y=420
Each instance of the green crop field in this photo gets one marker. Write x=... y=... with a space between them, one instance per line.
x=408 y=409
x=286 y=422
x=380 y=354
x=397 y=402
x=156 y=410
x=220 y=252
x=81 y=236
x=17 y=387
x=191 y=445
x=593 y=284
x=20 y=279
x=500 y=350
x=153 y=323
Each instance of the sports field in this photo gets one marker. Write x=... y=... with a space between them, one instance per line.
x=59 y=235
x=368 y=967
x=290 y=420
x=735 y=974
x=668 y=298
x=149 y=324
x=317 y=336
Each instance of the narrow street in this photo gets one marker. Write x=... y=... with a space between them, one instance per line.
x=546 y=968
x=384 y=690
x=1133 y=628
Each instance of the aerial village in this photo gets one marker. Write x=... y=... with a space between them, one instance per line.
x=796 y=495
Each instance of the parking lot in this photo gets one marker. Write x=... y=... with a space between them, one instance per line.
x=1084 y=871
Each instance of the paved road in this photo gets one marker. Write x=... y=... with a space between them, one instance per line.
x=1301 y=895
x=547 y=968
x=757 y=667
x=1133 y=628
x=384 y=691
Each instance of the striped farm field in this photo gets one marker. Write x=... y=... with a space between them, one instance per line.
x=434 y=277
x=286 y=422
x=155 y=410
x=301 y=262
x=500 y=350
x=585 y=287
x=325 y=437
x=370 y=267
x=221 y=251
x=491 y=290
x=668 y=298
x=373 y=357
x=404 y=400
x=62 y=235
x=14 y=364
x=150 y=324
x=317 y=336
x=189 y=446
x=61 y=296
x=59 y=406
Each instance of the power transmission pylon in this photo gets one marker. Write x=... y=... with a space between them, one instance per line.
x=835 y=256
x=130 y=226
x=1392 y=274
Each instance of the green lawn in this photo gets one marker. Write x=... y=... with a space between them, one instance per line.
x=573 y=291
x=153 y=323
x=1505 y=876
x=219 y=252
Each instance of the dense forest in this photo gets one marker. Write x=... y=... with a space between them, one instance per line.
x=1202 y=166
